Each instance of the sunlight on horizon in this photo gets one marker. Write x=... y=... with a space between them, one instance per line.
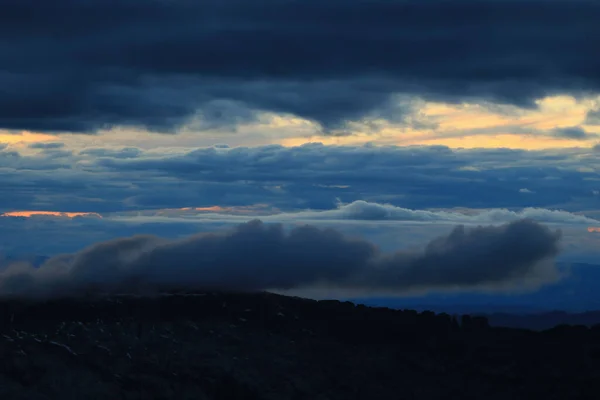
x=467 y=125
x=29 y=214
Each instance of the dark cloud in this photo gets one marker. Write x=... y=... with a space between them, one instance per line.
x=64 y=68
x=126 y=152
x=313 y=176
x=47 y=235
x=51 y=159
x=310 y=176
x=51 y=154
x=471 y=257
x=592 y=117
x=574 y=132
x=47 y=146
x=255 y=256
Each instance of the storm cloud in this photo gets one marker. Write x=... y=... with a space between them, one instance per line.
x=257 y=256
x=158 y=64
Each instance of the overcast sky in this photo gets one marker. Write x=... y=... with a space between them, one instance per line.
x=393 y=120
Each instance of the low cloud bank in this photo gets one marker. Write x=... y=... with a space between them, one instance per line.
x=259 y=256
x=361 y=210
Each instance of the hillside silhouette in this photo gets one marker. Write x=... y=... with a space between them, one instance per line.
x=266 y=346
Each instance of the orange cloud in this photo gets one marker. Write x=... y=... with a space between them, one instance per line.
x=29 y=214
x=216 y=209
x=212 y=209
x=594 y=229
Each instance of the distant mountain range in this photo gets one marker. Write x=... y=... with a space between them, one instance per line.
x=542 y=321
x=573 y=300
x=577 y=293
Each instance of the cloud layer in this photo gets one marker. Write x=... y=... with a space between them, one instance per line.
x=362 y=210
x=160 y=63
x=358 y=210
x=255 y=256
x=311 y=176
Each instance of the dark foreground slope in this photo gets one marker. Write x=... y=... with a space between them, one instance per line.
x=264 y=346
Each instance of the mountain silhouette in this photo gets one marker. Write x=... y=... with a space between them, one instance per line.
x=267 y=346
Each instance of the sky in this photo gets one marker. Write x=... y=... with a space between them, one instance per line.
x=389 y=148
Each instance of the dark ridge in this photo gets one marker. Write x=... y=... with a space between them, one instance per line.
x=543 y=320
x=267 y=346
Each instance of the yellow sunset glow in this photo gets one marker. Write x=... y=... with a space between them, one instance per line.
x=25 y=137
x=553 y=112
x=467 y=142
x=468 y=125
x=505 y=141
x=478 y=126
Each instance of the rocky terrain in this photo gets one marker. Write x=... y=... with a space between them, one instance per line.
x=264 y=346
